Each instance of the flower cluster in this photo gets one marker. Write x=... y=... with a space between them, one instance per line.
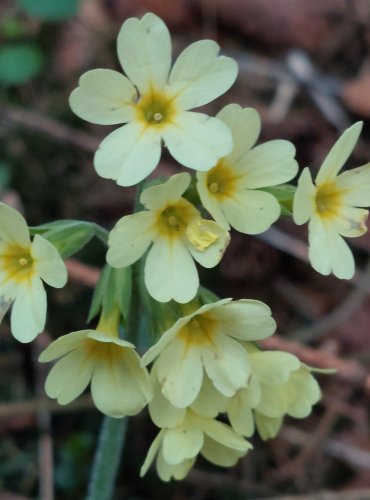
x=207 y=364
x=210 y=385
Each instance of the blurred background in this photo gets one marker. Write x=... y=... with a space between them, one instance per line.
x=305 y=66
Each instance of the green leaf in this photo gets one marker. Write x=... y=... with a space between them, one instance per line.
x=68 y=236
x=284 y=195
x=50 y=10
x=19 y=63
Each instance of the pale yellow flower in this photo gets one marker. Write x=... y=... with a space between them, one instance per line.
x=207 y=341
x=155 y=101
x=119 y=385
x=331 y=205
x=175 y=233
x=209 y=403
x=230 y=191
x=280 y=385
x=24 y=264
x=176 y=447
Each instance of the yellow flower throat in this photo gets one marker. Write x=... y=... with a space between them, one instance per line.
x=221 y=180
x=155 y=108
x=328 y=200
x=16 y=262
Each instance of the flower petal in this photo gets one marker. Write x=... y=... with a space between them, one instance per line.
x=196 y=140
x=267 y=427
x=274 y=400
x=338 y=155
x=251 y=212
x=304 y=204
x=355 y=186
x=13 y=227
x=170 y=272
x=274 y=367
x=168 y=471
x=163 y=342
x=307 y=393
x=245 y=127
x=350 y=222
x=226 y=364
x=268 y=164
x=180 y=372
x=240 y=409
x=104 y=96
x=224 y=435
x=172 y=332
x=69 y=377
x=206 y=232
x=209 y=402
x=244 y=319
x=128 y=154
x=130 y=238
x=117 y=383
x=162 y=412
x=181 y=443
x=328 y=252
x=220 y=455
x=152 y=452
x=48 y=263
x=29 y=311
x=156 y=197
x=63 y=345
x=200 y=75
x=144 y=51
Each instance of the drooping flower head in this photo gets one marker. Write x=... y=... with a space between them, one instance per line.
x=177 y=446
x=155 y=101
x=23 y=267
x=332 y=207
x=119 y=385
x=178 y=234
x=280 y=385
x=230 y=190
x=208 y=340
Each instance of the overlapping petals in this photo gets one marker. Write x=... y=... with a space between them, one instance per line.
x=333 y=205
x=207 y=341
x=155 y=101
x=175 y=233
x=119 y=386
x=230 y=191
x=280 y=385
x=23 y=267
x=176 y=447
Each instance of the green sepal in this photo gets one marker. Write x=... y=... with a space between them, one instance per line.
x=284 y=195
x=206 y=296
x=69 y=236
x=322 y=371
x=192 y=195
x=113 y=289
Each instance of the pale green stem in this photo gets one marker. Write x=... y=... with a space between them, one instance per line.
x=107 y=458
x=113 y=431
